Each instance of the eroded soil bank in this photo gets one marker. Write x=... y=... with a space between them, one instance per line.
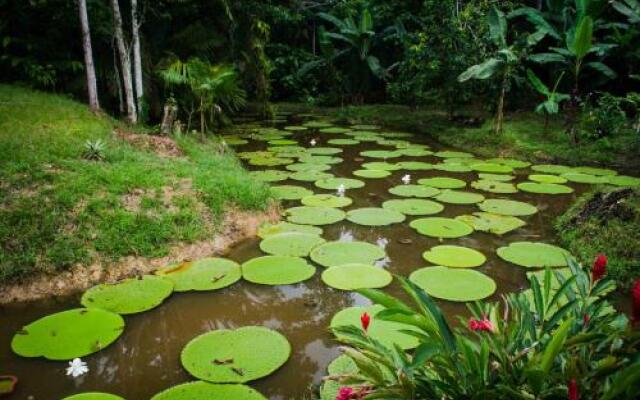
x=237 y=226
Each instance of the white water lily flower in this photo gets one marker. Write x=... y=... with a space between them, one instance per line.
x=346 y=236
x=382 y=263
x=382 y=242
x=77 y=367
x=341 y=190
x=313 y=142
x=406 y=179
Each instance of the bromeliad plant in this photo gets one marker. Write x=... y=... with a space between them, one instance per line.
x=560 y=340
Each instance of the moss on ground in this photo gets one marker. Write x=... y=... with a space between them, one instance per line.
x=58 y=209
x=605 y=221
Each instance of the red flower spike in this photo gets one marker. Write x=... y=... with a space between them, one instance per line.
x=635 y=303
x=572 y=390
x=345 y=393
x=599 y=268
x=365 y=320
x=480 y=325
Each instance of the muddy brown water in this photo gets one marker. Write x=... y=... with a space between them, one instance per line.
x=146 y=358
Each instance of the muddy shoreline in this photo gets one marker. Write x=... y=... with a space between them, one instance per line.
x=237 y=226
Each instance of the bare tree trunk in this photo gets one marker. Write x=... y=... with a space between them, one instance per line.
x=125 y=62
x=92 y=89
x=137 y=57
x=500 y=111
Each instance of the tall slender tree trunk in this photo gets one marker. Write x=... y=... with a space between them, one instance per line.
x=92 y=88
x=125 y=63
x=499 y=122
x=137 y=56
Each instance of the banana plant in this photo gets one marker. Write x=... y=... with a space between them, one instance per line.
x=628 y=8
x=552 y=99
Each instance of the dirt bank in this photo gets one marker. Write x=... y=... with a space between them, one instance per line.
x=238 y=226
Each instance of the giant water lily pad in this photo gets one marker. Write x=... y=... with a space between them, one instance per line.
x=492 y=168
x=496 y=177
x=205 y=274
x=443 y=183
x=414 y=191
x=93 y=396
x=623 y=180
x=295 y=128
x=414 y=152
x=544 y=188
x=356 y=276
x=386 y=332
x=339 y=253
x=381 y=166
x=269 y=161
x=313 y=159
x=584 y=178
x=335 y=183
x=511 y=162
x=453 y=154
x=546 y=178
x=200 y=390
x=459 y=197
x=268 y=229
x=595 y=171
x=318 y=124
x=343 y=365
x=290 y=192
x=310 y=176
x=445 y=228
x=551 y=169
x=380 y=154
x=315 y=215
x=282 y=142
x=373 y=216
x=454 y=256
x=235 y=356
x=335 y=129
x=454 y=284
x=326 y=200
x=365 y=127
x=494 y=186
x=308 y=167
x=492 y=223
x=324 y=151
x=292 y=244
x=534 y=255
x=415 y=165
x=452 y=167
x=68 y=334
x=413 y=206
x=343 y=142
x=508 y=207
x=270 y=175
x=277 y=270
x=129 y=296
x=371 y=173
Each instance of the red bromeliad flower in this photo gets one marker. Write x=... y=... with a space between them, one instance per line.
x=572 y=390
x=365 y=320
x=345 y=393
x=599 y=268
x=480 y=325
x=635 y=303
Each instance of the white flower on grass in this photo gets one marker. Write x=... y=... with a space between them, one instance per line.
x=382 y=242
x=406 y=179
x=341 y=190
x=346 y=236
x=313 y=142
x=77 y=368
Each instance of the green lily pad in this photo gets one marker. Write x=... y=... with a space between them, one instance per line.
x=339 y=253
x=371 y=173
x=315 y=159
x=414 y=152
x=288 y=149
x=234 y=140
x=335 y=129
x=69 y=334
x=290 y=192
x=343 y=365
x=494 y=186
x=534 y=255
x=397 y=134
x=335 y=183
x=343 y=142
x=386 y=332
x=438 y=227
x=270 y=175
x=508 y=207
x=200 y=275
x=315 y=215
x=282 y=142
x=414 y=191
x=373 y=216
x=129 y=296
x=318 y=124
x=327 y=200
x=544 y=188
x=623 y=180
x=452 y=167
x=453 y=154
x=459 y=197
x=381 y=166
x=511 y=162
x=291 y=244
x=269 y=161
x=308 y=167
x=584 y=178
x=415 y=165
x=380 y=154
x=492 y=168
x=310 y=176
x=93 y=396
x=235 y=356
x=454 y=284
x=200 y=390
x=454 y=256
x=277 y=270
x=295 y=128
x=268 y=229
x=541 y=178
x=496 y=177
x=551 y=169
x=356 y=276
x=365 y=127
x=413 y=206
x=492 y=223
x=595 y=171
x=324 y=151
x=443 y=183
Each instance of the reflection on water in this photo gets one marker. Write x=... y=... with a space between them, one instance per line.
x=146 y=359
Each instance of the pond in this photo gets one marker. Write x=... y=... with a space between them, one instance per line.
x=146 y=358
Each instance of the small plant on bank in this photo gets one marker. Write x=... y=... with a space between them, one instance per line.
x=94 y=150
x=560 y=339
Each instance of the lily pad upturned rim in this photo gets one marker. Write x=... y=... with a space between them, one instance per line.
x=441 y=227
x=201 y=390
x=326 y=200
x=129 y=296
x=306 y=215
x=291 y=244
x=371 y=173
x=494 y=186
x=335 y=183
x=413 y=206
x=534 y=254
x=277 y=270
x=268 y=229
x=459 y=197
x=270 y=175
x=493 y=223
x=94 y=396
x=454 y=256
x=339 y=253
x=454 y=284
x=374 y=216
x=417 y=191
x=508 y=207
x=290 y=192
x=442 y=182
x=205 y=274
x=544 y=188
x=356 y=276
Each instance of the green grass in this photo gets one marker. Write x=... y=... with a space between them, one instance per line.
x=617 y=235
x=58 y=209
x=523 y=137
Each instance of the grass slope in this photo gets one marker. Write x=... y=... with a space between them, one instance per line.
x=57 y=209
